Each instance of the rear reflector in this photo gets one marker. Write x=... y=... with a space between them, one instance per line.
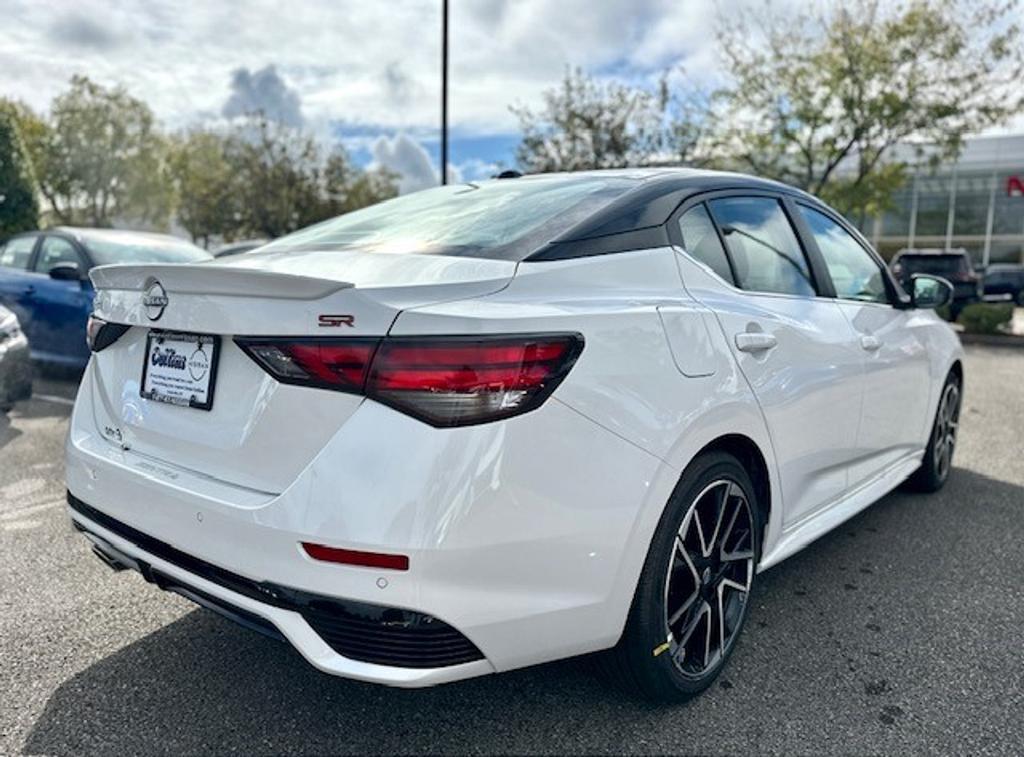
x=443 y=381
x=355 y=557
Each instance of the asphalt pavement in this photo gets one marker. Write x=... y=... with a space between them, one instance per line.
x=900 y=632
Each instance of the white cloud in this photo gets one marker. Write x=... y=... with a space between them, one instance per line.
x=474 y=169
x=351 y=61
x=263 y=92
x=363 y=63
x=407 y=158
x=81 y=31
x=416 y=169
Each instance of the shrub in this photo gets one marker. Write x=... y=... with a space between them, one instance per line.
x=985 y=318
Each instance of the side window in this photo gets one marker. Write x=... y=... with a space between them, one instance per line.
x=701 y=241
x=16 y=252
x=765 y=251
x=55 y=250
x=854 y=272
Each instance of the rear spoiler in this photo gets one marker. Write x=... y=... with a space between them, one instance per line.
x=205 y=278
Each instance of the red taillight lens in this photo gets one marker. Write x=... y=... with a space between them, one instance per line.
x=459 y=381
x=444 y=381
x=340 y=364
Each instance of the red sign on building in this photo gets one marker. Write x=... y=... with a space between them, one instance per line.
x=1015 y=186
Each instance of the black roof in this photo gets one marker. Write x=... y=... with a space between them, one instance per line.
x=635 y=218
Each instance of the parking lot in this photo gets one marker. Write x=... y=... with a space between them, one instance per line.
x=899 y=632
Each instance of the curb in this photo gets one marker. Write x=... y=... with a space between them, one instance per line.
x=992 y=340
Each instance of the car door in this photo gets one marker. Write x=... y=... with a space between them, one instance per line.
x=17 y=285
x=791 y=342
x=893 y=342
x=61 y=306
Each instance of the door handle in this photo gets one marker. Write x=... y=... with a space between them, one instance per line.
x=30 y=289
x=870 y=343
x=755 y=341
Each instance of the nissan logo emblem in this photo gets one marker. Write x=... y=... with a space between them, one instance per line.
x=154 y=300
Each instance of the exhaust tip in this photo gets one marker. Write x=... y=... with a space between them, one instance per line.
x=109 y=560
x=110 y=556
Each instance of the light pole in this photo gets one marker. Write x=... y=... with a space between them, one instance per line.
x=444 y=91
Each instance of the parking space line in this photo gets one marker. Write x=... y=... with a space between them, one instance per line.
x=54 y=398
x=22 y=512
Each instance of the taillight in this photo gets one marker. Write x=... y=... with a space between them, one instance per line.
x=100 y=334
x=340 y=364
x=443 y=381
x=458 y=381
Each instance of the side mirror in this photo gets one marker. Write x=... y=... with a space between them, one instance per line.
x=66 y=272
x=929 y=291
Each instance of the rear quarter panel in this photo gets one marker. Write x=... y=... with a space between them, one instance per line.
x=627 y=381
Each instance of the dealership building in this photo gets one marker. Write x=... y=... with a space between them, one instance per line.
x=976 y=203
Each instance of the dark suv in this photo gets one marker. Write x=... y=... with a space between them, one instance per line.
x=952 y=265
x=1005 y=280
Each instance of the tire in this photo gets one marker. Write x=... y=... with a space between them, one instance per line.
x=671 y=648
x=1019 y=299
x=938 y=455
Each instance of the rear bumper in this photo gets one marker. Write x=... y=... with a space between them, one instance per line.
x=316 y=626
x=520 y=538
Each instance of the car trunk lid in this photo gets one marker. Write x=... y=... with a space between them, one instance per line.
x=257 y=433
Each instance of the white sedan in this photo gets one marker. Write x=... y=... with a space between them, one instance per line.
x=493 y=424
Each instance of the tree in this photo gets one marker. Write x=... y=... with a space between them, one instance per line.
x=19 y=208
x=819 y=98
x=208 y=202
x=588 y=124
x=347 y=187
x=260 y=178
x=277 y=174
x=101 y=157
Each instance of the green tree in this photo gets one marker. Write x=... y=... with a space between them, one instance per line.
x=208 y=202
x=259 y=178
x=819 y=98
x=19 y=208
x=585 y=124
x=101 y=157
x=347 y=187
x=276 y=171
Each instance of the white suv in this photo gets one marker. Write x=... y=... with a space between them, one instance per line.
x=493 y=424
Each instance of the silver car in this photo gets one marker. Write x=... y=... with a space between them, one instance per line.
x=15 y=369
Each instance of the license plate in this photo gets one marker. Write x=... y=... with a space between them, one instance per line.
x=180 y=369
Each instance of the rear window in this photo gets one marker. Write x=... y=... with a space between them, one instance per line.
x=16 y=252
x=505 y=219
x=939 y=264
x=108 y=249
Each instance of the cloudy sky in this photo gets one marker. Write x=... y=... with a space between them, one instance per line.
x=359 y=71
x=353 y=70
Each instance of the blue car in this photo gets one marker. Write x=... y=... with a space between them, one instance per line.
x=44 y=280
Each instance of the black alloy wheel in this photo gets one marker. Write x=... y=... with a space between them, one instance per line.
x=709 y=577
x=938 y=456
x=695 y=590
